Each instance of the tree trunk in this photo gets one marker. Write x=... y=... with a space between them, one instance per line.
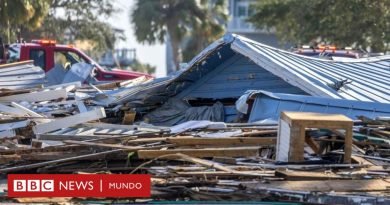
x=175 y=41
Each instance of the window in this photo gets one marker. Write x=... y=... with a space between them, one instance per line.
x=66 y=59
x=241 y=11
x=39 y=57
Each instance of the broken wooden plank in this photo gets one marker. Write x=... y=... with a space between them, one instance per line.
x=70 y=121
x=326 y=185
x=206 y=152
x=230 y=174
x=36 y=96
x=223 y=141
x=41 y=164
x=61 y=137
x=307 y=175
x=118 y=146
x=14 y=64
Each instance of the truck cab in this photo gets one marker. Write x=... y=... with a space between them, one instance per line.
x=47 y=54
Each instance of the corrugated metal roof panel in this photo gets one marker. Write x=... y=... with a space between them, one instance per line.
x=21 y=75
x=369 y=78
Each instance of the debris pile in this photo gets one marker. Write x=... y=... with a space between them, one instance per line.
x=260 y=152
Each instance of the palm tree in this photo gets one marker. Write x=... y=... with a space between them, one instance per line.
x=208 y=30
x=27 y=13
x=154 y=20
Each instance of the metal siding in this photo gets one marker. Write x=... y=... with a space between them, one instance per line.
x=237 y=75
x=21 y=75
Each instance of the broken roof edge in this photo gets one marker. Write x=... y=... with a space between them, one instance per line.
x=336 y=60
x=228 y=38
x=293 y=78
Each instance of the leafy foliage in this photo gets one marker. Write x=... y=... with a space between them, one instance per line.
x=70 y=20
x=359 y=23
x=198 y=20
x=14 y=13
x=208 y=30
x=142 y=67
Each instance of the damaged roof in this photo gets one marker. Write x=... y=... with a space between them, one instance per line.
x=365 y=79
x=362 y=79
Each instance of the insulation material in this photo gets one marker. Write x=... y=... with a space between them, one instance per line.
x=175 y=111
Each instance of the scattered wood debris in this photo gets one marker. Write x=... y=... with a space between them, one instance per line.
x=61 y=130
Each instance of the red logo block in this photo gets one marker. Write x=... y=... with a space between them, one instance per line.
x=79 y=185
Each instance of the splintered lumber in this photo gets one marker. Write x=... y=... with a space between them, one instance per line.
x=206 y=152
x=118 y=146
x=224 y=173
x=256 y=133
x=306 y=175
x=7 y=158
x=37 y=96
x=327 y=185
x=61 y=137
x=41 y=164
x=46 y=149
x=70 y=121
x=225 y=141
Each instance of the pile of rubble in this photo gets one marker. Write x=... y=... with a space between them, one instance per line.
x=257 y=146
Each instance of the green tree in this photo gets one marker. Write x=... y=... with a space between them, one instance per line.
x=359 y=23
x=70 y=20
x=208 y=30
x=154 y=20
x=15 y=14
x=142 y=67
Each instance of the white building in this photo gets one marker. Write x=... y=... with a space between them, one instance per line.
x=239 y=11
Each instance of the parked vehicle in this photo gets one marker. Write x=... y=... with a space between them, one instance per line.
x=47 y=54
x=327 y=52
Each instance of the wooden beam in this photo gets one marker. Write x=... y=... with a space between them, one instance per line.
x=118 y=146
x=366 y=185
x=62 y=137
x=207 y=152
x=9 y=65
x=224 y=141
x=41 y=164
x=223 y=173
x=70 y=121
x=308 y=175
x=312 y=144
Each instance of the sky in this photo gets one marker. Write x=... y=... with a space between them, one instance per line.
x=152 y=54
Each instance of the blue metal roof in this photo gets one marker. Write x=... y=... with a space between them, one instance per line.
x=267 y=106
x=368 y=78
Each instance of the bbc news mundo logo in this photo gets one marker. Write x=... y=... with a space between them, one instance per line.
x=79 y=185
